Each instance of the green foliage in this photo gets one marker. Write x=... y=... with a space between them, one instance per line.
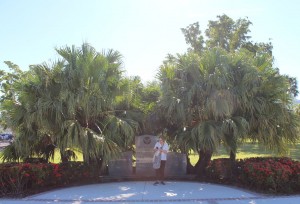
x=226 y=92
x=25 y=178
x=275 y=175
x=223 y=91
x=269 y=174
x=220 y=171
x=220 y=96
x=193 y=37
x=139 y=101
x=224 y=33
x=73 y=102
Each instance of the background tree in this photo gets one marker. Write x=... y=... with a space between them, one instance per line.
x=193 y=37
x=140 y=101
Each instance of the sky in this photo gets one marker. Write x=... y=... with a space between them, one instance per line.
x=143 y=31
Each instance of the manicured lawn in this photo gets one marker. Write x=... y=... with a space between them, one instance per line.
x=57 y=158
x=248 y=150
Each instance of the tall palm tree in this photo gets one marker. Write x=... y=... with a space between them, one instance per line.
x=223 y=91
x=223 y=98
x=74 y=102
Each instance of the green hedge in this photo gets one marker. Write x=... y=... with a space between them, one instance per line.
x=268 y=175
x=20 y=179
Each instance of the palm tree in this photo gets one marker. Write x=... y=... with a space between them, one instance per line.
x=225 y=98
x=223 y=91
x=74 y=102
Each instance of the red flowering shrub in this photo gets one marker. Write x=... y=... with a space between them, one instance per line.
x=220 y=170
x=295 y=178
x=17 y=179
x=267 y=174
x=78 y=172
x=275 y=175
x=278 y=175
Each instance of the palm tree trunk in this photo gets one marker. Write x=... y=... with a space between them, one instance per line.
x=190 y=169
x=63 y=158
x=232 y=156
x=233 y=169
x=203 y=162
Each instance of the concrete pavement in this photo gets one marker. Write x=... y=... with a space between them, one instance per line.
x=145 y=192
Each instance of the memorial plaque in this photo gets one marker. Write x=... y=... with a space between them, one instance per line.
x=121 y=166
x=144 y=154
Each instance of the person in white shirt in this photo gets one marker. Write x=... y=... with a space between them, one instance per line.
x=161 y=147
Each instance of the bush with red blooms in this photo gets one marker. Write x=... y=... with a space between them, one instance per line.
x=19 y=179
x=268 y=175
x=220 y=170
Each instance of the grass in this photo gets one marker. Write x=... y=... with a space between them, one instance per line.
x=248 y=150
x=57 y=158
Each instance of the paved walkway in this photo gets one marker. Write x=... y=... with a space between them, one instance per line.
x=145 y=192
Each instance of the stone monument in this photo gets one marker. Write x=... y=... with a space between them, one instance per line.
x=176 y=164
x=121 y=166
x=144 y=154
x=144 y=144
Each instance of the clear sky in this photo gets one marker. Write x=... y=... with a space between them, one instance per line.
x=144 y=31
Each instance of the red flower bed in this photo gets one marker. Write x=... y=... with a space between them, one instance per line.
x=269 y=175
x=19 y=179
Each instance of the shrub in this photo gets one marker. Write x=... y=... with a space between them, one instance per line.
x=19 y=179
x=79 y=172
x=220 y=171
x=269 y=175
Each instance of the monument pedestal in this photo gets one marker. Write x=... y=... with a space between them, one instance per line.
x=123 y=166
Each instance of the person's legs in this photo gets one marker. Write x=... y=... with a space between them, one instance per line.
x=157 y=175
x=162 y=171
